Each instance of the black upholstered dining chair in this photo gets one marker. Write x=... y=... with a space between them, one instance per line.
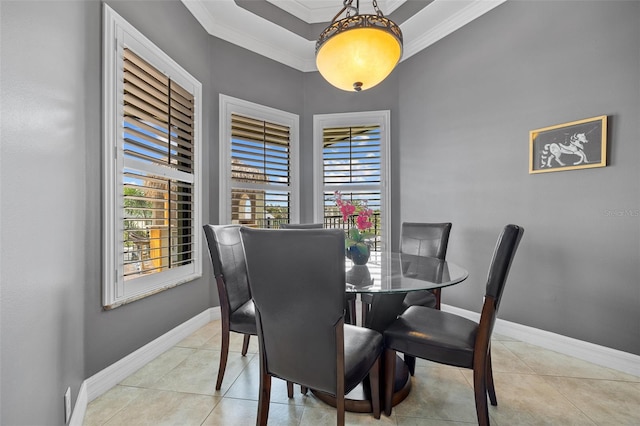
x=427 y=240
x=453 y=340
x=291 y=278
x=349 y=298
x=301 y=226
x=420 y=239
x=236 y=306
x=424 y=239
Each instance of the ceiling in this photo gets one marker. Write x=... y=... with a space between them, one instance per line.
x=285 y=30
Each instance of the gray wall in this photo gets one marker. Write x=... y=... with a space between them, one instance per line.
x=467 y=104
x=50 y=126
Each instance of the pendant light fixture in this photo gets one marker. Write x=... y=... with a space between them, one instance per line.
x=359 y=51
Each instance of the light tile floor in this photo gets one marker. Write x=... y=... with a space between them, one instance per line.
x=534 y=386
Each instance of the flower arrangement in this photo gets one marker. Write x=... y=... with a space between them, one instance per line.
x=356 y=239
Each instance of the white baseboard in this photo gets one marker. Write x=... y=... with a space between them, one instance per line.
x=79 y=410
x=596 y=354
x=106 y=379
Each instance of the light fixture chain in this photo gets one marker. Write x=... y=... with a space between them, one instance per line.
x=377 y=9
x=348 y=4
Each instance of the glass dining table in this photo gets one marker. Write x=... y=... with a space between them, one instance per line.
x=389 y=276
x=386 y=279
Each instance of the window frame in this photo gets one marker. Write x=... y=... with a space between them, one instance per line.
x=353 y=119
x=230 y=105
x=118 y=34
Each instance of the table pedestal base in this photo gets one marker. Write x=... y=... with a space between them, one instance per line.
x=359 y=399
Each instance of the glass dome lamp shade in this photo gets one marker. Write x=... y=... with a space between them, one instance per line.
x=358 y=52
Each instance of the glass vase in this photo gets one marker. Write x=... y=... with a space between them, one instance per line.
x=359 y=253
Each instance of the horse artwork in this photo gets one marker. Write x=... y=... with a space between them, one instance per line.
x=576 y=145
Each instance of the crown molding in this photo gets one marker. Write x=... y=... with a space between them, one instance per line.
x=228 y=21
x=318 y=11
x=441 y=18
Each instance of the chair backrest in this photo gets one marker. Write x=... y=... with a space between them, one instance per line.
x=503 y=255
x=301 y=226
x=229 y=266
x=425 y=239
x=298 y=289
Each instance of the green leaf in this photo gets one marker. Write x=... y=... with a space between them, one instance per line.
x=354 y=234
x=362 y=248
x=367 y=235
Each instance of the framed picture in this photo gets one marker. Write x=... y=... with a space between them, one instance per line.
x=579 y=144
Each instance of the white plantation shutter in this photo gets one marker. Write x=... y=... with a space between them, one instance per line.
x=351 y=165
x=351 y=155
x=260 y=170
x=351 y=152
x=258 y=157
x=155 y=108
x=152 y=176
x=158 y=132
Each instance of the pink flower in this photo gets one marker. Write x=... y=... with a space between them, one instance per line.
x=347 y=210
x=363 y=223
x=363 y=220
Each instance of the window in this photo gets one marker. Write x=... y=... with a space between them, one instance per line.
x=152 y=167
x=258 y=163
x=351 y=156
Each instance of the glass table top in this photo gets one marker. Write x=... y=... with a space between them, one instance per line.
x=390 y=272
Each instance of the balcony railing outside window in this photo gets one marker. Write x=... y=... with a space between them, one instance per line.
x=330 y=222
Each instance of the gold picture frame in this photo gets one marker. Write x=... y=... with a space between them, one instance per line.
x=580 y=144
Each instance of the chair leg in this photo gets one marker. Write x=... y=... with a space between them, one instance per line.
x=490 y=387
x=224 y=354
x=389 y=379
x=480 y=391
x=340 y=371
x=245 y=344
x=263 y=399
x=365 y=311
x=303 y=390
x=374 y=383
x=340 y=408
x=289 y=389
x=438 y=293
x=352 y=311
x=411 y=363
